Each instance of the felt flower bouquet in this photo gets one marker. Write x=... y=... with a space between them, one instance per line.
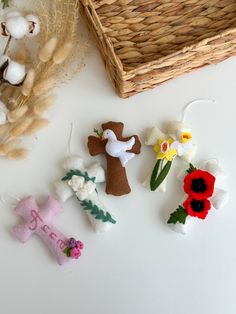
x=39 y=51
x=201 y=195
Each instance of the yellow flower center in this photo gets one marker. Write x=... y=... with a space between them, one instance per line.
x=165 y=147
x=185 y=137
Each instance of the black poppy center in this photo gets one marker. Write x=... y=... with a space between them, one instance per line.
x=197 y=206
x=198 y=185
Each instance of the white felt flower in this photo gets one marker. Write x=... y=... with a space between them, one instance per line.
x=3 y=113
x=182 y=142
x=18 y=26
x=82 y=188
x=76 y=183
x=87 y=189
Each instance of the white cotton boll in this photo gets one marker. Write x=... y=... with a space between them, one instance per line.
x=35 y=20
x=17 y=26
x=73 y=163
x=14 y=73
x=220 y=198
x=63 y=191
x=3 y=113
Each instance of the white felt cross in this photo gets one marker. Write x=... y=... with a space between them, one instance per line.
x=39 y=221
x=85 y=190
x=218 y=199
x=186 y=151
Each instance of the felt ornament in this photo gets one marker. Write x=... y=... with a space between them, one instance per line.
x=202 y=193
x=81 y=181
x=177 y=141
x=38 y=220
x=118 y=150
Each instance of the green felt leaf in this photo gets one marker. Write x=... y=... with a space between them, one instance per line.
x=179 y=215
x=97 y=212
x=157 y=179
x=99 y=134
x=78 y=173
x=191 y=168
x=154 y=174
x=67 y=251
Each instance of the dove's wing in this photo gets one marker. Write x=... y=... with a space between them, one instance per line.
x=127 y=145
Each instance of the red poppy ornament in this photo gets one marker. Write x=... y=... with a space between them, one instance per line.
x=201 y=195
x=199 y=184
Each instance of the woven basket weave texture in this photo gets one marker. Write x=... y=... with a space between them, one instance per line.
x=145 y=42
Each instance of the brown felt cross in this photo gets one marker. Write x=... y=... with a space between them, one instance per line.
x=117 y=183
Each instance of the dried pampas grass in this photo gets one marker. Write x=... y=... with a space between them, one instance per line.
x=58 y=56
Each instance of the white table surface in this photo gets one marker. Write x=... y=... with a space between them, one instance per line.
x=140 y=266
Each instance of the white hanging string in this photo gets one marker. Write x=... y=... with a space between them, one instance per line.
x=70 y=139
x=189 y=105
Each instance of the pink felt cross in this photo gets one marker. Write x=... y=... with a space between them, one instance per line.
x=39 y=221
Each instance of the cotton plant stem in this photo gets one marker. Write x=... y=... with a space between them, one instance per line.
x=7 y=45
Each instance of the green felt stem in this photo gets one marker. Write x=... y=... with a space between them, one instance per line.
x=158 y=176
x=78 y=173
x=97 y=212
x=88 y=204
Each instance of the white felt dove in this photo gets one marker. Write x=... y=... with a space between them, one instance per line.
x=118 y=149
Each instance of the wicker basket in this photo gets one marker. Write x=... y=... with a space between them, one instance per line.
x=146 y=42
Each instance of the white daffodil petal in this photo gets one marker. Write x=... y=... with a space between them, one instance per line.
x=189 y=154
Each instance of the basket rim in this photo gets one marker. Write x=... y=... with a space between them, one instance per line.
x=140 y=68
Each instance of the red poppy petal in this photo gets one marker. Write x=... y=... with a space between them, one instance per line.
x=209 y=180
x=200 y=214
